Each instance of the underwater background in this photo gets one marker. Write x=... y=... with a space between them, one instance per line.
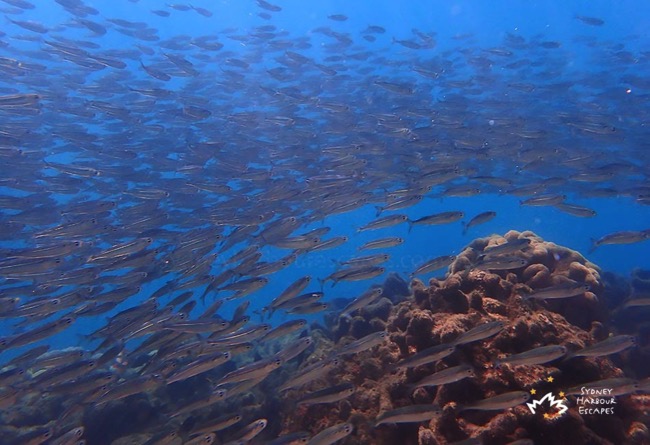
x=274 y=222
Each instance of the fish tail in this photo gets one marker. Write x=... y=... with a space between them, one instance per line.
x=593 y=246
x=379 y=210
x=410 y=223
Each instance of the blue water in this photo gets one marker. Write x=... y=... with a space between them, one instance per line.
x=483 y=25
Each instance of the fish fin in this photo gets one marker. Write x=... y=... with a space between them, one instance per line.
x=593 y=246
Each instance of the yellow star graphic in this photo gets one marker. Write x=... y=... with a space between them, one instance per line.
x=550 y=379
x=533 y=391
x=562 y=394
x=547 y=416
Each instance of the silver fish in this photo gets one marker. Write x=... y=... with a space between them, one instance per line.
x=500 y=263
x=328 y=395
x=433 y=265
x=438 y=218
x=255 y=370
x=297 y=438
x=310 y=373
x=385 y=221
x=536 y=356
x=481 y=218
x=616 y=386
x=368 y=297
x=560 y=291
x=364 y=343
x=511 y=246
x=611 y=345
x=382 y=243
x=332 y=434
x=479 y=332
x=425 y=356
x=624 y=237
x=502 y=401
x=449 y=375
x=409 y=414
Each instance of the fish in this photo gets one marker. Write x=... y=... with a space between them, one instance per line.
x=308 y=308
x=297 y=301
x=384 y=222
x=616 y=386
x=409 y=414
x=254 y=370
x=368 y=260
x=353 y=274
x=610 y=345
x=399 y=203
x=291 y=291
x=508 y=247
x=636 y=302
x=297 y=438
x=425 y=356
x=251 y=430
x=362 y=344
x=285 y=329
x=480 y=332
x=544 y=200
x=382 y=243
x=481 y=218
x=500 y=263
x=433 y=265
x=368 y=297
x=576 y=210
x=623 y=237
x=498 y=402
x=438 y=218
x=310 y=373
x=536 y=356
x=294 y=349
x=198 y=367
x=332 y=434
x=592 y=21
x=153 y=174
x=447 y=375
x=566 y=290
x=328 y=395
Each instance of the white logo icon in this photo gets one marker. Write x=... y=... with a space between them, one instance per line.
x=559 y=404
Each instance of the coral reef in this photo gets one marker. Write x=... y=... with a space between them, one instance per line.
x=467 y=298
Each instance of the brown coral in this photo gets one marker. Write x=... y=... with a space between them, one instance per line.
x=468 y=298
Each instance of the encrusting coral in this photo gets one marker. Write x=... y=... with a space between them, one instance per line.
x=437 y=313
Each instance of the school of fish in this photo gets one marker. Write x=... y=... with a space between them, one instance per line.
x=204 y=166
